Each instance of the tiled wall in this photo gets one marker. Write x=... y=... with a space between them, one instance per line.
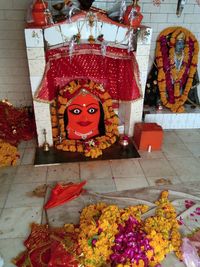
x=14 y=81
x=14 y=75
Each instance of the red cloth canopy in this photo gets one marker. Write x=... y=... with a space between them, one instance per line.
x=117 y=71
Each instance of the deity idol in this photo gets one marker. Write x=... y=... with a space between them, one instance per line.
x=174 y=77
x=84 y=117
x=179 y=50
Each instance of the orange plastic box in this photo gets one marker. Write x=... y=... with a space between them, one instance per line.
x=148 y=136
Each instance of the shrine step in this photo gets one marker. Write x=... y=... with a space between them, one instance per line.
x=190 y=119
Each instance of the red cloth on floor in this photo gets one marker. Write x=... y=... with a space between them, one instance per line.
x=61 y=194
x=117 y=71
x=45 y=248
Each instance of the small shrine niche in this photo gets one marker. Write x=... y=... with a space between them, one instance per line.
x=107 y=70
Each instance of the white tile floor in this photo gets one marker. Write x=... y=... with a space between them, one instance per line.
x=177 y=162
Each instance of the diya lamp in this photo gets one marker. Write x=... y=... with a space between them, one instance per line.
x=124 y=140
x=159 y=106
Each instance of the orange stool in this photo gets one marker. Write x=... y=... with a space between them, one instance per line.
x=148 y=134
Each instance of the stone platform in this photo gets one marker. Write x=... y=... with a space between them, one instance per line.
x=190 y=119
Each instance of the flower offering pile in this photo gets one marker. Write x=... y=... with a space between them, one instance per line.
x=120 y=237
x=16 y=124
x=107 y=236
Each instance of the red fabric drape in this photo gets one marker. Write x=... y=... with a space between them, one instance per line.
x=45 y=248
x=61 y=194
x=117 y=71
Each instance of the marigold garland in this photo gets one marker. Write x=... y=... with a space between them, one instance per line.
x=100 y=227
x=8 y=154
x=163 y=230
x=94 y=146
x=107 y=235
x=170 y=94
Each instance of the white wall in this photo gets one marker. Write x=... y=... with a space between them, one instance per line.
x=14 y=81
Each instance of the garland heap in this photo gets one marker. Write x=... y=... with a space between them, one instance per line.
x=110 y=234
x=174 y=85
x=92 y=147
x=107 y=235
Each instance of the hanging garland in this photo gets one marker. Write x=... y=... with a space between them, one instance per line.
x=170 y=80
x=91 y=147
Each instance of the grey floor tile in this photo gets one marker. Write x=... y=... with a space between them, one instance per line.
x=64 y=172
x=130 y=183
x=102 y=185
x=7 y=174
x=21 y=154
x=22 y=145
x=190 y=178
x=176 y=150
x=4 y=189
x=63 y=214
x=151 y=155
x=30 y=174
x=126 y=168
x=31 y=143
x=14 y=222
x=170 y=137
x=189 y=135
x=186 y=166
x=21 y=195
x=194 y=148
x=28 y=156
x=15 y=246
x=157 y=167
x=95 y=169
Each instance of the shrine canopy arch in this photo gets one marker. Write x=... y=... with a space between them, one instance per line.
x=42 y=41
x=101 y=52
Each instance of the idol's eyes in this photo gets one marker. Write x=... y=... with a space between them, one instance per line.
x=92 y=110
x=76 y=111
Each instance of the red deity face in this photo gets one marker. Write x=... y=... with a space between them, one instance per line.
x=83 y=117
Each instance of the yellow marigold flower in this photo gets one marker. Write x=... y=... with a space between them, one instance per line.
x=8 y=154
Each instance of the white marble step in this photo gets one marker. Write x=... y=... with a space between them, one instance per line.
x=190 y=119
